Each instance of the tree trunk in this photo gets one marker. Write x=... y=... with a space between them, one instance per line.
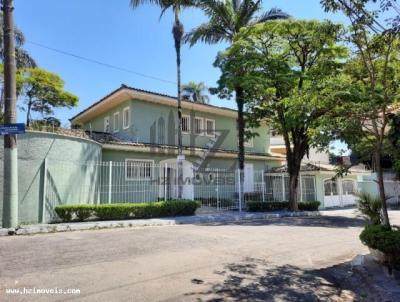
x=241 y=126
x=294 y=165
x=381 y=187
x=28 y=114
x=178 y=34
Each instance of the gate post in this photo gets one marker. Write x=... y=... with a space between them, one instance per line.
x=44 y=188
x=240 y=190
x=263 y=186
x=165 y=180
x=109 y=181
x=218 y=203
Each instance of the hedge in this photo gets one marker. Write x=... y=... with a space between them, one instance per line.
x=258 y=206
x=82 y=212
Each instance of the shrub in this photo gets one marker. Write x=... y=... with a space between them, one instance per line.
x=127 y=210
x=370 y=207
x=258 y=206
x=83 y=211
x=309 y=205
x=384 y=239
x=64 y=212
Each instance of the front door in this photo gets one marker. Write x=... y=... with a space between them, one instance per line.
x=331 y=194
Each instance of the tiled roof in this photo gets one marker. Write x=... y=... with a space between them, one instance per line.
x=123 y=86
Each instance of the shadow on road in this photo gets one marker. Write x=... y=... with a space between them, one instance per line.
x=257 y=280
x=319 y=221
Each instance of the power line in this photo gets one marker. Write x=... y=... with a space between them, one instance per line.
x=100 y=63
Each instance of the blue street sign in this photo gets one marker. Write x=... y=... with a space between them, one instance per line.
x=7 y=129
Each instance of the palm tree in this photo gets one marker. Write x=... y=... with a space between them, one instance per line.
x=195 y=92
x=226 y=18
x=177 y=31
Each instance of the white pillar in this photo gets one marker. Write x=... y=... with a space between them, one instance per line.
x=109 y=181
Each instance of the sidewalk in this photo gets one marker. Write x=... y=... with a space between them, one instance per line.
x=197 y=219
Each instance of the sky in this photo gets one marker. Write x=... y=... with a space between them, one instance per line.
x=112 y=33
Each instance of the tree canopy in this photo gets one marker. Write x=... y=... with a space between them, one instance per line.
x=43 y=91
x=288 y=70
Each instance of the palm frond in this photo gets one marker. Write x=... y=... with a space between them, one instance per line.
x=274 y=14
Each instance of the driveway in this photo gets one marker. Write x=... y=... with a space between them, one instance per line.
x=291 y=259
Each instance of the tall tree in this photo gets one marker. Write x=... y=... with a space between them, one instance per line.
x=287 y=71
x=196 y=92
x=226 y=19
x=44 y=91
x=177 y=31
x=374 y=77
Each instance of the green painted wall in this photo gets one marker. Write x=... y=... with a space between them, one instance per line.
x=33 y=148
x=147 y=120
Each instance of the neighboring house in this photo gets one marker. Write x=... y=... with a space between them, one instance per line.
x=277 y=147
x=139 y=128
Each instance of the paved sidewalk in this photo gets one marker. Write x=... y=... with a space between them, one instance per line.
x=198 y=219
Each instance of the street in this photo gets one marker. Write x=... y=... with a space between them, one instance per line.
x=277 y=260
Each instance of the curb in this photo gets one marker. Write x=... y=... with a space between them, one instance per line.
x=196 y=220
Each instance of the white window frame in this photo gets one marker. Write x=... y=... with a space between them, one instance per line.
x=115 y=129
x=107 y=118
x=201 y=126
x=188 y=123
x=138 y=161
x=126 y=122
x=206 y=128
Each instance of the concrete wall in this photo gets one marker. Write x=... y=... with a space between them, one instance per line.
x=147 y=119
x=33 y=148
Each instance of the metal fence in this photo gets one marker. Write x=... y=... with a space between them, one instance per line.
x=145 y=181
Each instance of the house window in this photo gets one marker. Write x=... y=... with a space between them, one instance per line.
x=330 y=187
x=125 y=118
x=138 y=169
x=107 y=124
x=248 y=141
x=186 y=123
x=116 y=122
x=198 y=126
x=210 y=127
x=161 y=131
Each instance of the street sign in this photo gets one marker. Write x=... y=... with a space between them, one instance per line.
x=8 y=129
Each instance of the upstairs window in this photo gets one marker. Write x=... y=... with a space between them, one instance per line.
x=186 y=123
x=210 y=127
x=248 y=141
x=116 y=122
x=138 y=169
x=198 y=126
x=107 y=124
x=126 y=118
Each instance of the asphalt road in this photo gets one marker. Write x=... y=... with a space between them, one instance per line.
x=278 y=260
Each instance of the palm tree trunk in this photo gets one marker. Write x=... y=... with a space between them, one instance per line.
x=28 y=114
x=178 y=34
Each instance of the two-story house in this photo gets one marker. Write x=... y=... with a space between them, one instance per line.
x=139 y=128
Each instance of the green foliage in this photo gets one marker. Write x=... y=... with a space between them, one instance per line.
x=384 y=239
x=126 y=210
x=309 y=205
x=195 y=92
x=64 y=212
x=259 y=206
x=44 y=91
x=289 y=71
x=370 y=207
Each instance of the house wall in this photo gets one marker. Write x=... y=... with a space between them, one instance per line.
x=33 y=148
x=147 y=119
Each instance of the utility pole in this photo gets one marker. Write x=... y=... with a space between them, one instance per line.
x=10 y=178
